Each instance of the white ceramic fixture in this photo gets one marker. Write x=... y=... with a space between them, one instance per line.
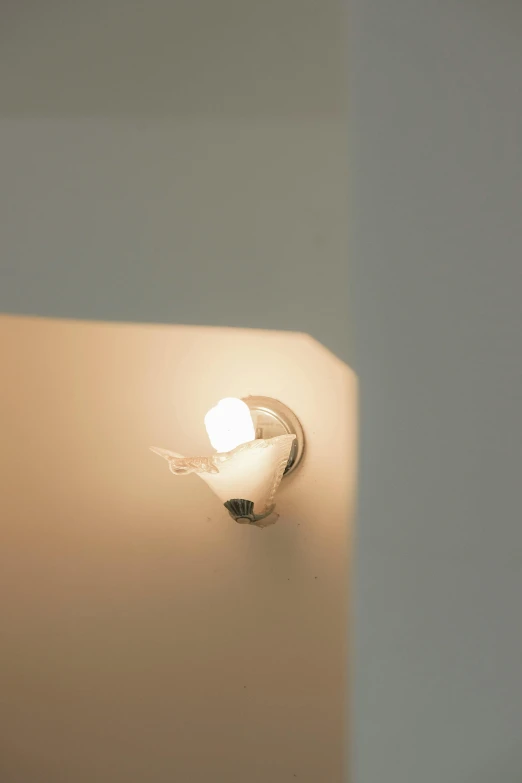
x=258 y=440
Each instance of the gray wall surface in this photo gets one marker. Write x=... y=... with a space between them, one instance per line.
x=437 y=218
x=181 y=162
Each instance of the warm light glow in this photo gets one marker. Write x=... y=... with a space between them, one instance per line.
x=229 y=424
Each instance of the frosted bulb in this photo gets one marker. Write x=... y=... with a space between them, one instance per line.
x=229 y=424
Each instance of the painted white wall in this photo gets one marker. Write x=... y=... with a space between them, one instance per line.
x=185 y=163
x=145 y=635
x=91 y=141
x=437 y=221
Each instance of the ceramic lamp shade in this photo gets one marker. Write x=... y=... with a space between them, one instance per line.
x=244 y=479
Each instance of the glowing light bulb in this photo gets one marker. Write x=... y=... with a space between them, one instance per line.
x=229 y=424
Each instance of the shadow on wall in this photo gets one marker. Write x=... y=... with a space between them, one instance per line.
x=123 y=59
x=505 y=769
x=142 y=628
x=175 y=162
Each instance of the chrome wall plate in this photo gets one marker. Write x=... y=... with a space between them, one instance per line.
x=272 y=418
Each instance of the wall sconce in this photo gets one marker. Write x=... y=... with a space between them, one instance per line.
x=258 y=440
